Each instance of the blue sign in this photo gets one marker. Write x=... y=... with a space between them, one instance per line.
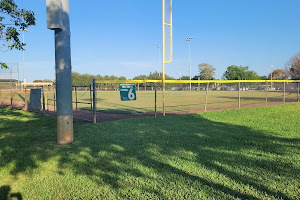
x=127 y=92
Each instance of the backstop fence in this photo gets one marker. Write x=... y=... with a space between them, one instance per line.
x=104 y=101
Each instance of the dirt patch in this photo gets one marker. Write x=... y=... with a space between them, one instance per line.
x=86 y=116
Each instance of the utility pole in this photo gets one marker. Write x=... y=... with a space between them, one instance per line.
x=23 y=30
x=189 y=39
x=59 y=21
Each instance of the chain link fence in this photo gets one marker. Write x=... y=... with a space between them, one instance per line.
x=107 y=104
x=17 y=96
x=203 y=96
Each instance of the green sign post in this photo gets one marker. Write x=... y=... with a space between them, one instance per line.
x=127 y=92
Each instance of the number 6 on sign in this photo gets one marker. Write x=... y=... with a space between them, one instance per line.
x=131 y=95
x=127 y=92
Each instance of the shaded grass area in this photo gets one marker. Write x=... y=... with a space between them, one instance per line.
x=238 y=154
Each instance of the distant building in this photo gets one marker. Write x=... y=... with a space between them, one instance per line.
x=36 y=84
x=8 y=82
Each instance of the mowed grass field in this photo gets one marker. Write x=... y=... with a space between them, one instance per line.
x=237 y=154
x=110 y=101
x=184 y=100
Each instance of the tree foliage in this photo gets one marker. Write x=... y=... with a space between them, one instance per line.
x=234 y=72
x=153 y=76
x=185 y=78
x=206 y=71
x=293 y=67
x=264 y=78
x=12 y=20
x=279 y=74
x=87 y=79
x=43 y=81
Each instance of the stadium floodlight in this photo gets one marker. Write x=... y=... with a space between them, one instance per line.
x=189 y=39
x=23 y=30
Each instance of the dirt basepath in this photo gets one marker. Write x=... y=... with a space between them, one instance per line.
x=86 y=116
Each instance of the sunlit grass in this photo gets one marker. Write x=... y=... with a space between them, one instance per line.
x=237 y=154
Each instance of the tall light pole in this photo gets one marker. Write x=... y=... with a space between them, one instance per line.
x=189 y=39
x=271 y=77
x=23 y=30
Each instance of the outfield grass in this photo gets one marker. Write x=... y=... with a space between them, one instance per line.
x=238 y=154
x=110 y=102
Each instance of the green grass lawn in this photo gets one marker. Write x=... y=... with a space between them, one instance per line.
x=237 y=154
x=183 y=100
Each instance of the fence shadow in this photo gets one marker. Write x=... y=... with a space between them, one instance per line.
x=21 y=97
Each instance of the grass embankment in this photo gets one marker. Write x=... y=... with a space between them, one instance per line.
x=237 y=154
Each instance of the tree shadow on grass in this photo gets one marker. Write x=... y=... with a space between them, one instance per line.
x=5 y=194
x=171 y=154
x=167 y=137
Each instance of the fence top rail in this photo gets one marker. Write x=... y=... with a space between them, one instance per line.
x=128 y=81
x=197 y=81
x=80 y=85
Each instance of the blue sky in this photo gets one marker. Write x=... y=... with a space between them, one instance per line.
x=121 y=37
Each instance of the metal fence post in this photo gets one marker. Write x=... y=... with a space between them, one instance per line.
x=205 y=106
x=155 y=98
x=283 y=92
x=76 y=102
x=91 y=100
x=266 y=93
x=26 y=101
x=94 y=102
x=199 y=83
x=47 y=98
x=43 y=100
x=239 y=91
x=298 y=92
x=54 y=101
x=11 y=96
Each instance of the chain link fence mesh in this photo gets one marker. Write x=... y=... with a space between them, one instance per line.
x=179 y=98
